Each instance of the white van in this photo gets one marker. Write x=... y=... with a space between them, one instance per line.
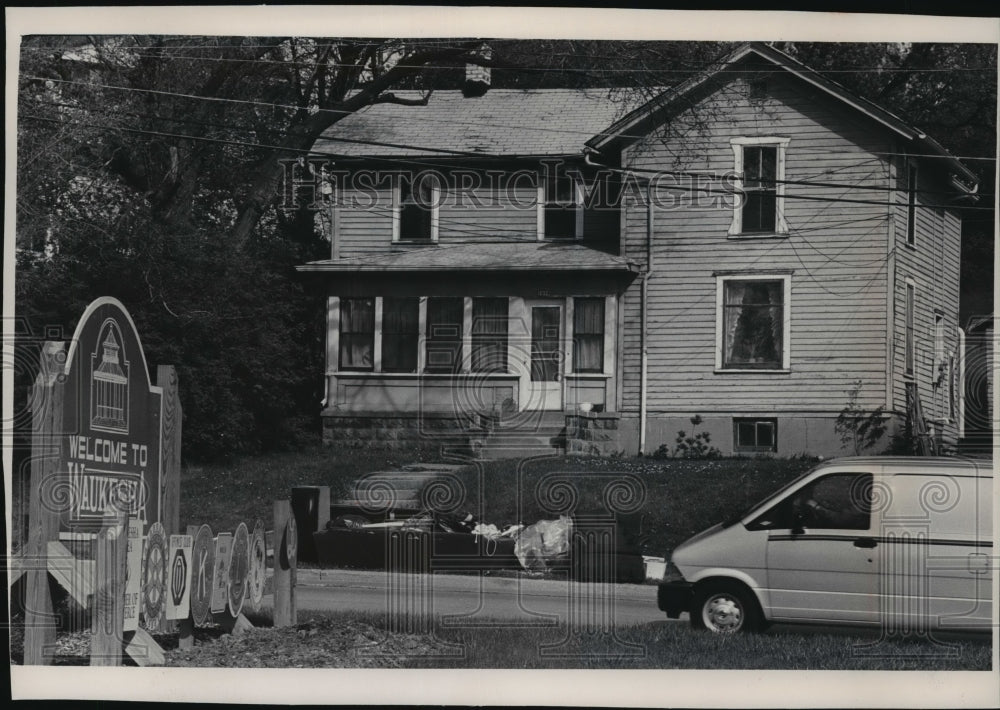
x=905 y=543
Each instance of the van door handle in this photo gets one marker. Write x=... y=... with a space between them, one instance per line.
x=865 y=542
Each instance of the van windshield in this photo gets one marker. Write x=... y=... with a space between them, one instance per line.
x=732 y=520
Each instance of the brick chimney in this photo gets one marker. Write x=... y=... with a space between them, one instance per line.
x=477 y=78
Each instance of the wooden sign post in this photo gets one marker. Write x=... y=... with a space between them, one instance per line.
x=43 y=511
x=284 y=564
x=110 y=556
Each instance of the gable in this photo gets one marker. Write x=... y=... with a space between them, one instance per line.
x=753 y=58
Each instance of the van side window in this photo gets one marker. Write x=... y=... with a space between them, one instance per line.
x=839 y=501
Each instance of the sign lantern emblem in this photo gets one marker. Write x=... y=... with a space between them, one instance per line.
x=109 y=401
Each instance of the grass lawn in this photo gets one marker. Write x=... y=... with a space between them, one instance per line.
x=671 y=498
x=356 y=640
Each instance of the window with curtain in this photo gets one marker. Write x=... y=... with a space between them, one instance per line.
x=444 y=334
x=357 y=333
x=489 y=334
x=588 y=335
x=753 y=325
x=400 y=331
x=760 y=201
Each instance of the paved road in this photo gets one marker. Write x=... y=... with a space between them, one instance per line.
x=470 y=600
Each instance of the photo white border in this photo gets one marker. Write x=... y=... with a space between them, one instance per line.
x=643 y=688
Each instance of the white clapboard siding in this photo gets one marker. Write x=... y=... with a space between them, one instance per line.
x=933 y=265
x=836 y=253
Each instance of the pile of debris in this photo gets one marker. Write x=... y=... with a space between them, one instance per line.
x=585 y=548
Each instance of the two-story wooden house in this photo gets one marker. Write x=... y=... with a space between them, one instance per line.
x=747 y=246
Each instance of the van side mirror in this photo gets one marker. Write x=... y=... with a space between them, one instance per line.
x=798 y=518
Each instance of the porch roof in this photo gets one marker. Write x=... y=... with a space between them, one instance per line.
x=479 y=256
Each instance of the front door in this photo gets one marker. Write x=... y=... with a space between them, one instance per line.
x=546 y=363
x=823 y=552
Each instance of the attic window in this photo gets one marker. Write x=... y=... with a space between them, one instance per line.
x=757 y=88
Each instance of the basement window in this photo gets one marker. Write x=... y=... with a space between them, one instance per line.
x=755 y=435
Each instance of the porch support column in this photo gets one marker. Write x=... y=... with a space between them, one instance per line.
x=466 y=361
x=377 y=336
x=332 y=349
x=422 y=334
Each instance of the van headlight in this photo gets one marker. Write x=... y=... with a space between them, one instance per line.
x=671 y=573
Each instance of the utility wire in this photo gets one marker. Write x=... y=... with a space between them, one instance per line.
x=345 y=112
x=302 y=151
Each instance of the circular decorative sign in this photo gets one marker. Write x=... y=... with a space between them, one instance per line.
x=178 y=576
x=258 y=565
x=154 y=576
x=239 y=567
x=291 y=541
x=202 y=570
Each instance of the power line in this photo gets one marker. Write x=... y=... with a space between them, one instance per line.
x=436 y=120
x=302 y=151
x=675 y=173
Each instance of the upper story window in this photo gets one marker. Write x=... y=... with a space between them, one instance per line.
x=911 y=204
x=752 y=322
x=760 y=170
x=909 y=355
x=560 y=201
x=416 y=205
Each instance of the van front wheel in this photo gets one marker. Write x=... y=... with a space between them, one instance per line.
x=725 y=608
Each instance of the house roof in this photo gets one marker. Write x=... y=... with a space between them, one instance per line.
x=976 y=322
x=635 y=121
x=481 y=256
x=502 y=122
x=509 y=123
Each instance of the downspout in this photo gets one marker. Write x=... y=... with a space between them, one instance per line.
x=644 y=299
x=644 y=368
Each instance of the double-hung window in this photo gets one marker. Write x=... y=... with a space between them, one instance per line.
x=752 y=322
x=588 y=335
x=760 y=172
x=445 y=316
x=415 y=217
x=490 y=321
x=357 y=333
x=909 y=355
x=561 y=200
x=400 y=334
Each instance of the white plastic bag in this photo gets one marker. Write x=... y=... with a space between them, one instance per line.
x=538 y=544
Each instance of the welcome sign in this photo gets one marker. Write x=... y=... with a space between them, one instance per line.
x=111 y=449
